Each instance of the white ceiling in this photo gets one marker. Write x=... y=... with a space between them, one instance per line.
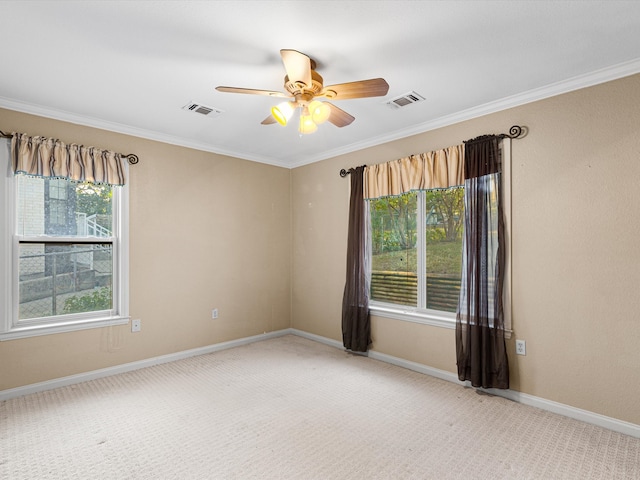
x=130 y=66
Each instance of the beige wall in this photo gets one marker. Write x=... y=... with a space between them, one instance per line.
x=576 y=261
x=205 y=231
x=267 y=247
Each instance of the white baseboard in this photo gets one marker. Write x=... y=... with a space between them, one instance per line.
x=317 y=338
x=620 y=426
x=128 y=367
x=586 y=416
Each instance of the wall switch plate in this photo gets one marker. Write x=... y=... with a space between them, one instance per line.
x=521 y=347
x=136 y=325
x=214 y=313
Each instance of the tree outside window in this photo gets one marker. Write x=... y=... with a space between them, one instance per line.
x=417 y=264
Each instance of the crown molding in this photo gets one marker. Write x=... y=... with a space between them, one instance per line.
x=575 y=83
x=565 y=86
x=93 y=122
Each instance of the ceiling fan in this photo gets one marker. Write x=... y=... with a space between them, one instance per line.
x=304 y=85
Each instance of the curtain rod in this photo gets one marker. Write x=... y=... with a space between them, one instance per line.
x=132 y=158
x=515 y=132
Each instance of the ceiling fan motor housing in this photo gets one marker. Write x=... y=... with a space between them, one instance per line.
x=301 y=91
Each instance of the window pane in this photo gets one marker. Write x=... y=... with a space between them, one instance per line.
x=394 y=270
x=444 y=225
x=57 y=279
x=60 y=207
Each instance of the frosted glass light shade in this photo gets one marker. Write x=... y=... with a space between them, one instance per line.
x=320 y=111
x=282 y=112
x=307 y=125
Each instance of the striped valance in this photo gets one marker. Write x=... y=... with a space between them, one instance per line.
x=438 y=169
x=48 y=157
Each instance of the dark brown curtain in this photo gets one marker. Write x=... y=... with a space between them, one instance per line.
x=480 y=341
x=356 y=326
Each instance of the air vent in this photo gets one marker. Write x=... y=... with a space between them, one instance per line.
x=202 y=109
x=404 y=100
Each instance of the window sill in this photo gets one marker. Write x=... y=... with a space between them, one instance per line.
x=433 y=318
x=61 y=327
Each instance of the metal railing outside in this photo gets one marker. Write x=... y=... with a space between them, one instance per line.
x=47 y=280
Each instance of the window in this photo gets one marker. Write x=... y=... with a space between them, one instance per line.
x=416 y=253
x=416 y=249
x=64 y=250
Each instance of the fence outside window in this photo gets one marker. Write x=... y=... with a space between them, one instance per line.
x=56 y=278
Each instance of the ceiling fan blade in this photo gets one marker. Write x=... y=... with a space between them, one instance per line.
x=376 y=87
x=268 y=121
x=339 y=117
x=252 y=91
x=297 y=66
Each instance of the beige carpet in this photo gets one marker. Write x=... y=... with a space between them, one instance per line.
x=290 y=408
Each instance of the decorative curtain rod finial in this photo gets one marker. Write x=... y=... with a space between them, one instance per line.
x=131 y=158
x=514 y=132
x=344 y=172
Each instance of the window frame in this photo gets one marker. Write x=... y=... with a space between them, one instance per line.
x=439 y=318
x=10 y=326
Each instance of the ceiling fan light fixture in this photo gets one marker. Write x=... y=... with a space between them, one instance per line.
x=302 y=84
x=307 y=125
x=282 y=112
x=319 y=111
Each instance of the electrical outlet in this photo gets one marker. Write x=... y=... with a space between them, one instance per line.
x=521 y=347
x=214 y=313
x=136 y=325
